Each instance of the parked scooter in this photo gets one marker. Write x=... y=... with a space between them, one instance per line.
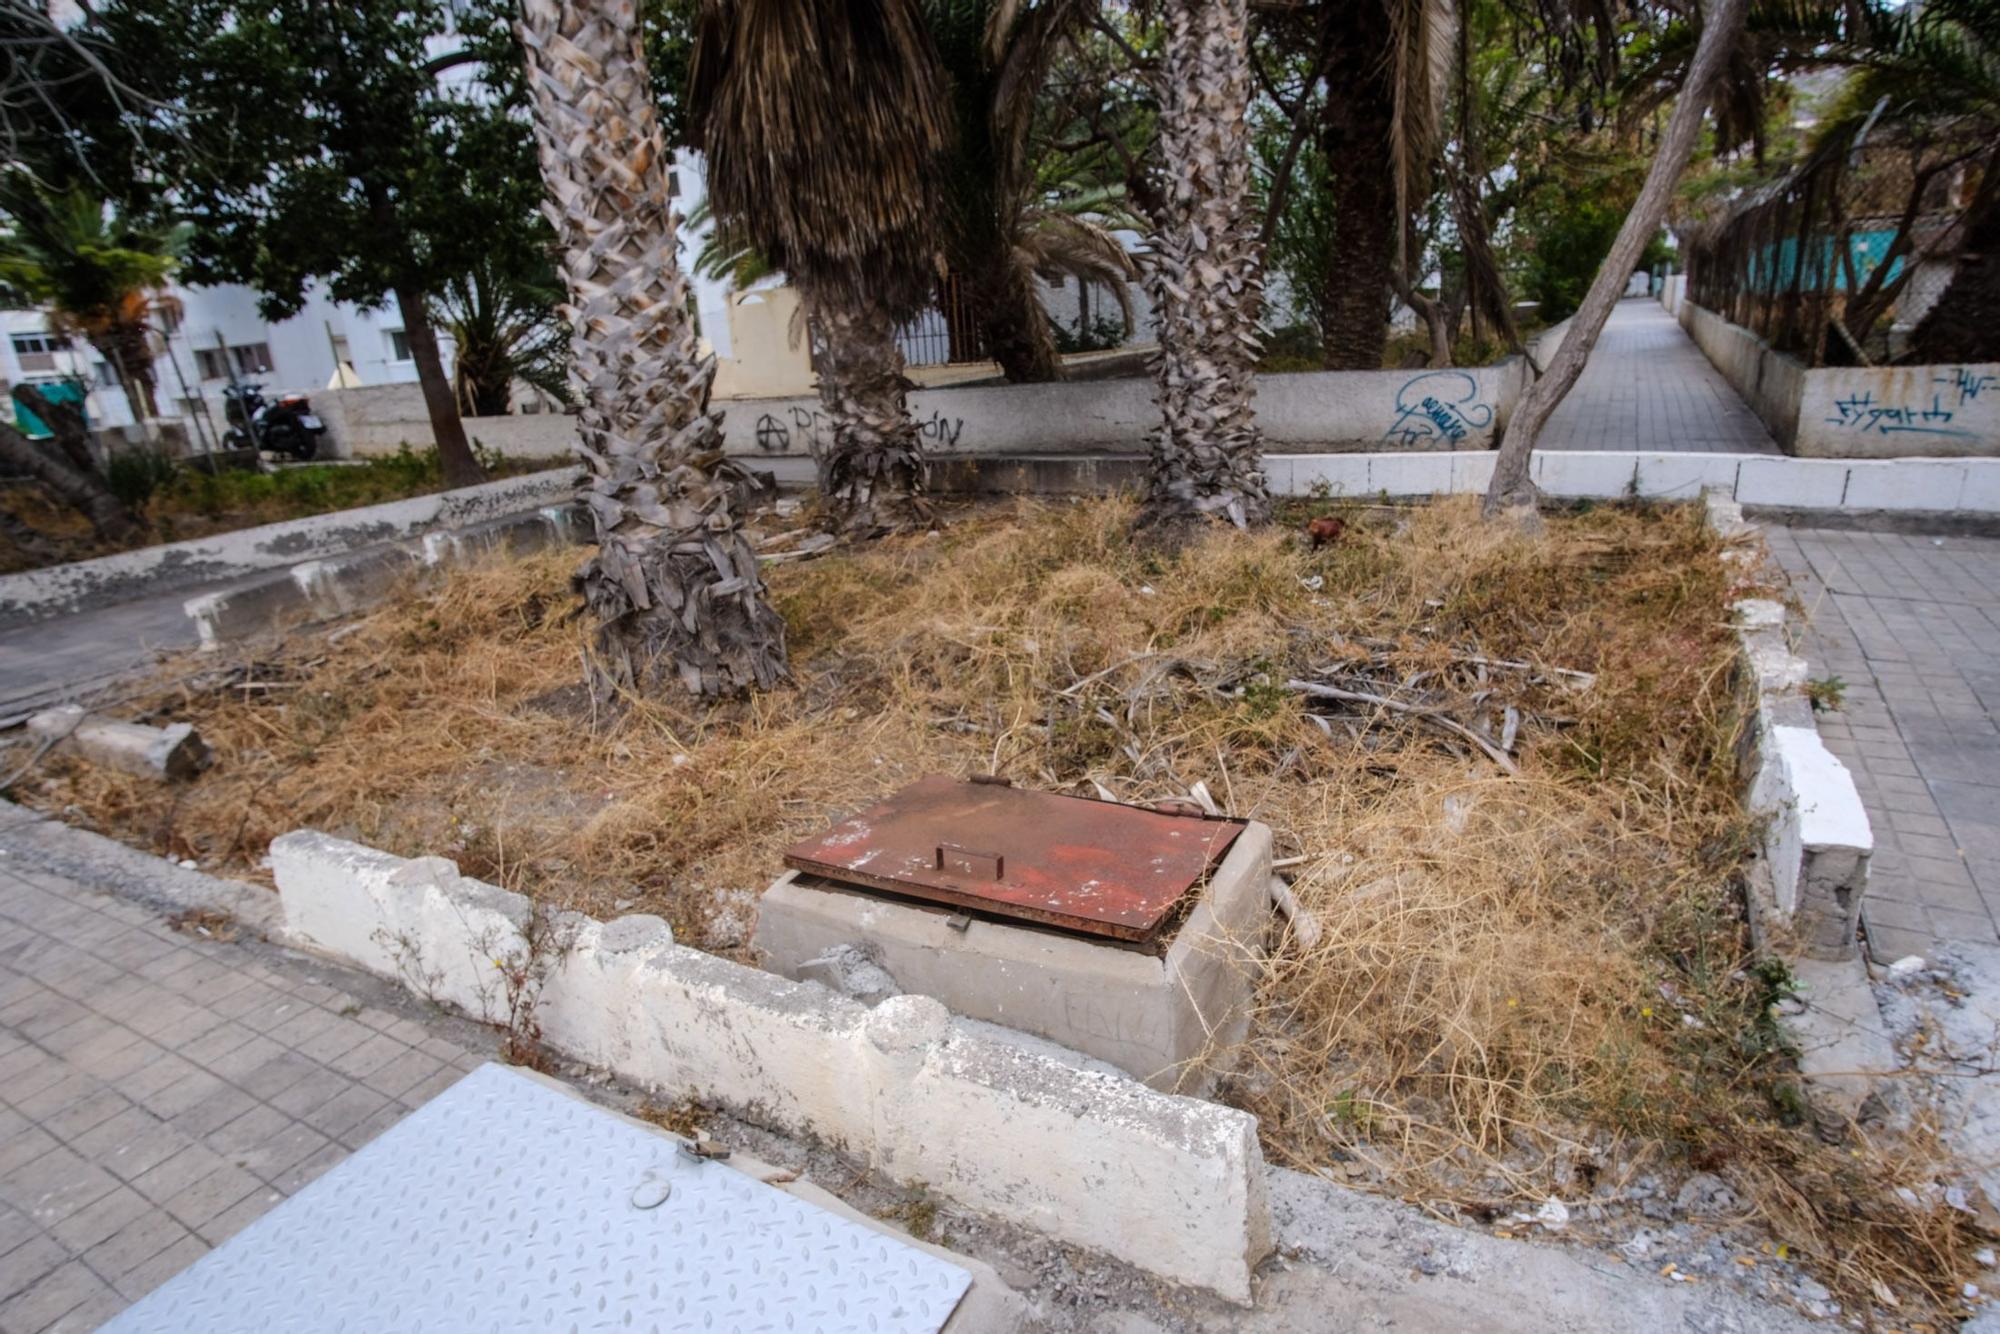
x=287 y=426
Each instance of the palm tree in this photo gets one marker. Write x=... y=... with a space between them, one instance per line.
x=823 y=122
x=674 y=586
x=1014 y=215
x=503 y=327
x=101 y=276
x=1205 y=275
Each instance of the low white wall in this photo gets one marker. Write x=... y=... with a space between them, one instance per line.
x=1314 y=410
x=1970 y=486
x=1854 y=412
x=1892 y=411
x=1172 y=1185
x=172 y=566
x=1768 y=381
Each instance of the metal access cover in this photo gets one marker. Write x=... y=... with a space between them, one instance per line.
x=505 y=1204
x=1094 y=867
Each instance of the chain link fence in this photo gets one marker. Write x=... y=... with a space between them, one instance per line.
x=1840 y=260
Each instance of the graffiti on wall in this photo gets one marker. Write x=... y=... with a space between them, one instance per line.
x=774 y=435
x=1438 y=408
x=1952 y=389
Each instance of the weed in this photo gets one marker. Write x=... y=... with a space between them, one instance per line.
x=918 y=1214
x=209 y=923
x=1827 y=694
x=684 y=1118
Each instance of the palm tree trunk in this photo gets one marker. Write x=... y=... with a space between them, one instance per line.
x=1356 y=132
x=674 y=587
x=1016 y=325
x=1205 y=275
x=874 y=473
x=82 y=490
x=1511 y=490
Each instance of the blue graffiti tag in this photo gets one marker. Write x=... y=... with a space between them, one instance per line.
x=1438 y=406
x=1862 y=413
x=1967 y=385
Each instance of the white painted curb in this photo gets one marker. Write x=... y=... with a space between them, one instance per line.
x=1173 y=1185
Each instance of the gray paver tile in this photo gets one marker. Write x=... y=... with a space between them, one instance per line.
x=100 y=1219
x=55 y=1295
x=148 y=1274
x=177 y=1173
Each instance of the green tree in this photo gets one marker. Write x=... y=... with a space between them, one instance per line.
x=101 y=276
x=829 y=166
x=320 y=147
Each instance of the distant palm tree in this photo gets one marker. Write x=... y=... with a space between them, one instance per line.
x=674 y=585
x=1204 y=274
x=1012 y=216
x=824 y=122
x=503 y=327
x=102 y=277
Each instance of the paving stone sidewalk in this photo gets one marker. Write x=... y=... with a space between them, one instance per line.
x=160 y=1090
x=1648 y=387
x=1911 y=624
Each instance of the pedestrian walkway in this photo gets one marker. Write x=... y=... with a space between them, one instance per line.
x=1648 y=387
x=1911 y=626
x=161 y=1089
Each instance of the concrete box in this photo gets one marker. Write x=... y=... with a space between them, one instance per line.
x=1171 y=1021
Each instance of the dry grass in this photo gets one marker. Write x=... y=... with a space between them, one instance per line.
x=1522 y=981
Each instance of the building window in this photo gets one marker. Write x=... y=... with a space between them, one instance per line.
x=211 y=363
x=37 y=352
x=673 y=185
x=399 y=345
x=169 y=311
x=107 y=375
x=252 y=358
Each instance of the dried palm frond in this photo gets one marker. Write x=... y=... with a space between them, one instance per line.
x=1058 y=245
x=1420 y=61
x=823 y=122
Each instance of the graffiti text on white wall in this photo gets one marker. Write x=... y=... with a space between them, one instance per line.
x=1438 y=407
x=1952 y=388
x=774 y=436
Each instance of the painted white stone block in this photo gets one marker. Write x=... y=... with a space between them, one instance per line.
x=1905 y=484
x=1585 y=474
x=1686 y=476
x=1792 y=483
x=1409 y=474
x=1342 y=474
x=1472 y=472
x=1982 y=487
x=1818 y=840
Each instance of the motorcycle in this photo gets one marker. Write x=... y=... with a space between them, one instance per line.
x=287 y=426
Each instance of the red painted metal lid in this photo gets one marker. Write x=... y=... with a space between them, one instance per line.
x=1093 y=867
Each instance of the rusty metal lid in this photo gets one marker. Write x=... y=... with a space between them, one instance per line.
x=1093 y=867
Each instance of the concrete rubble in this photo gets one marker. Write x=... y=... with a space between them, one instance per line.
x=173 y=753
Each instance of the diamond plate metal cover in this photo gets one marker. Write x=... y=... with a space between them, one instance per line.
x=503 y=1204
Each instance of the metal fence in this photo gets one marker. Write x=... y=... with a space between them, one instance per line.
x=1837 y=262
x=946 y=334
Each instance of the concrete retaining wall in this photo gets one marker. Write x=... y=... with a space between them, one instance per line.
x=60 y=589
x=317 y=590
x=1806 y=890
x=1817 y=839
x=1172 y=1185
x=1854 y=412
x=1316 y=411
